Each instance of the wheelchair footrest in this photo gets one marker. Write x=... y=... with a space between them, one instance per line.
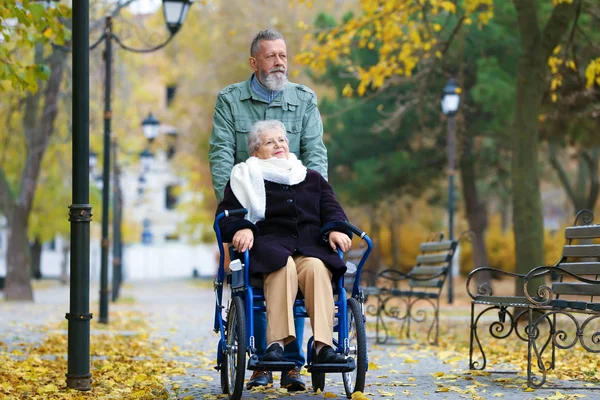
x=255 y=364
x=349 y=366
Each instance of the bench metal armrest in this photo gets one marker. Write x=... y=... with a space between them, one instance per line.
x=544 y=292
x=486 y=288
x=393 y=275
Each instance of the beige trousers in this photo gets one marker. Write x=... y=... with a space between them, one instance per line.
x=281 y=287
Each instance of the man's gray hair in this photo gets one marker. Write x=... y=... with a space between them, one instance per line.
x=262 y=126
x=266 y=34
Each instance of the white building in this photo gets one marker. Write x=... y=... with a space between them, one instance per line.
x=149 y=200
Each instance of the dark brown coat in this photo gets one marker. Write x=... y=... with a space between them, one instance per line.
x=297 y=220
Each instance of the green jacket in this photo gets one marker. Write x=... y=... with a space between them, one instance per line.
x=238 y=107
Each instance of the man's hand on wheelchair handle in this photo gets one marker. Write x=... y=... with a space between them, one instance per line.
x=340 y=239
x=243 y=240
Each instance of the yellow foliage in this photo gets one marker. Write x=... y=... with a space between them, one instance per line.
x=592 y=73
x=501 y=249
x=399 y=31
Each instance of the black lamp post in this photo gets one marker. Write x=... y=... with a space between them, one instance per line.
x=450 y=102
x=175 y=12
x=80 y=211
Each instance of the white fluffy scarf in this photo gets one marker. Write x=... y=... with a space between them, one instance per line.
x=248 y=186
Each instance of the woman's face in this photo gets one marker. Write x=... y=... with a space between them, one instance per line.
x=272 y=144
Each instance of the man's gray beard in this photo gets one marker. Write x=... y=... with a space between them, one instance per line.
x=274 y=81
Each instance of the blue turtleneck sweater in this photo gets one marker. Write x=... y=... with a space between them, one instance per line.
x=262 y=92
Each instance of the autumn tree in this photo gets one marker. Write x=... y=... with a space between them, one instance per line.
x=410 y=35
x=30 y=109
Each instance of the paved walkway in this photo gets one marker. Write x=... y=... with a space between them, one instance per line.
x=182 y=313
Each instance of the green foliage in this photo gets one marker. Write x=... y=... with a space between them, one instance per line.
x=26 y=23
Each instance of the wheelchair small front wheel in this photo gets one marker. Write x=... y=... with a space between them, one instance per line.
x=354 y=381
x=224 y=371
x=234 y=363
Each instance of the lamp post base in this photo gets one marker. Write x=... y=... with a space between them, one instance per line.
x=79 y=382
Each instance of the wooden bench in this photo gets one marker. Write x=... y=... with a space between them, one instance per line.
x=405 y=298
x=558 y=313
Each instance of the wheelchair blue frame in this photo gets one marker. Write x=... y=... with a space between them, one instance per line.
x=252 y=295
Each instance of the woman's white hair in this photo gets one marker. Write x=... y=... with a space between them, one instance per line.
x=262 y=126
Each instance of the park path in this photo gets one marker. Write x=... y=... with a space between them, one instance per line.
x=182 y=313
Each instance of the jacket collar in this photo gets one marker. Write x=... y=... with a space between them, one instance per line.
x=287 y=97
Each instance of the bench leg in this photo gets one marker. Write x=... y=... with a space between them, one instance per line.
x=436 y=319
x=472 y=337
x=379 y=322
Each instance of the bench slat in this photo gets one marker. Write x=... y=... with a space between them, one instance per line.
x=575 y=288
x=503 y=300
x=582 y=250
x=426 y=270
x=582 y=232
x=582 y=268
x=433 y=258
x=437 y=246
x=431 y=283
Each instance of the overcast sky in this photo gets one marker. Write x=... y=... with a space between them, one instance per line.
x=145 y=6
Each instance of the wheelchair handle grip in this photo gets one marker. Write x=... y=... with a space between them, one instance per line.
x=355 y=230
x=238 y=211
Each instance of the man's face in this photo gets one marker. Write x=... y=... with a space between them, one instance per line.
x=270 y=64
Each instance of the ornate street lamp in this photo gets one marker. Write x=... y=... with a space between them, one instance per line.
x=450 y=98
x=450 y=102
x=146 y=159
x=150 y=127
x=175 y=12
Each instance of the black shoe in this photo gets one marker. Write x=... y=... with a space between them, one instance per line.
x=291 y=380
x=273 y=353
x=328 y=356
x=260 y=378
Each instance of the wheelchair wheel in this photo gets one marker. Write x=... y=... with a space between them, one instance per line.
x=354 y=381
x=234 y=364
x=318 y=380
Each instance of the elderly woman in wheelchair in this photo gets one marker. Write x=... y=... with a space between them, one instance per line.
x=292 y=236
x=287 y=205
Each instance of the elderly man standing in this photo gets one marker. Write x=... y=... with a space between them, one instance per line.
x=267 y=95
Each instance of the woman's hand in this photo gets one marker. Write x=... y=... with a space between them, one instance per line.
x=340 y=239
x=243 y=240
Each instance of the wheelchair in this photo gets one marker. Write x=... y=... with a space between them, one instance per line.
x=234 y=322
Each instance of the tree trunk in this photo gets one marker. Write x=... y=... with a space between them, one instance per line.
x=536 y=48
x=583 y=193
x=35 y=250
x=475 y=209
x=38 y=128
x=394 y=235
x=17 y=285
x=374 y=260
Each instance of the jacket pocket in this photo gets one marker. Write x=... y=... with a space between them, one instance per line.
x=242 y=128
x=294 y=133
